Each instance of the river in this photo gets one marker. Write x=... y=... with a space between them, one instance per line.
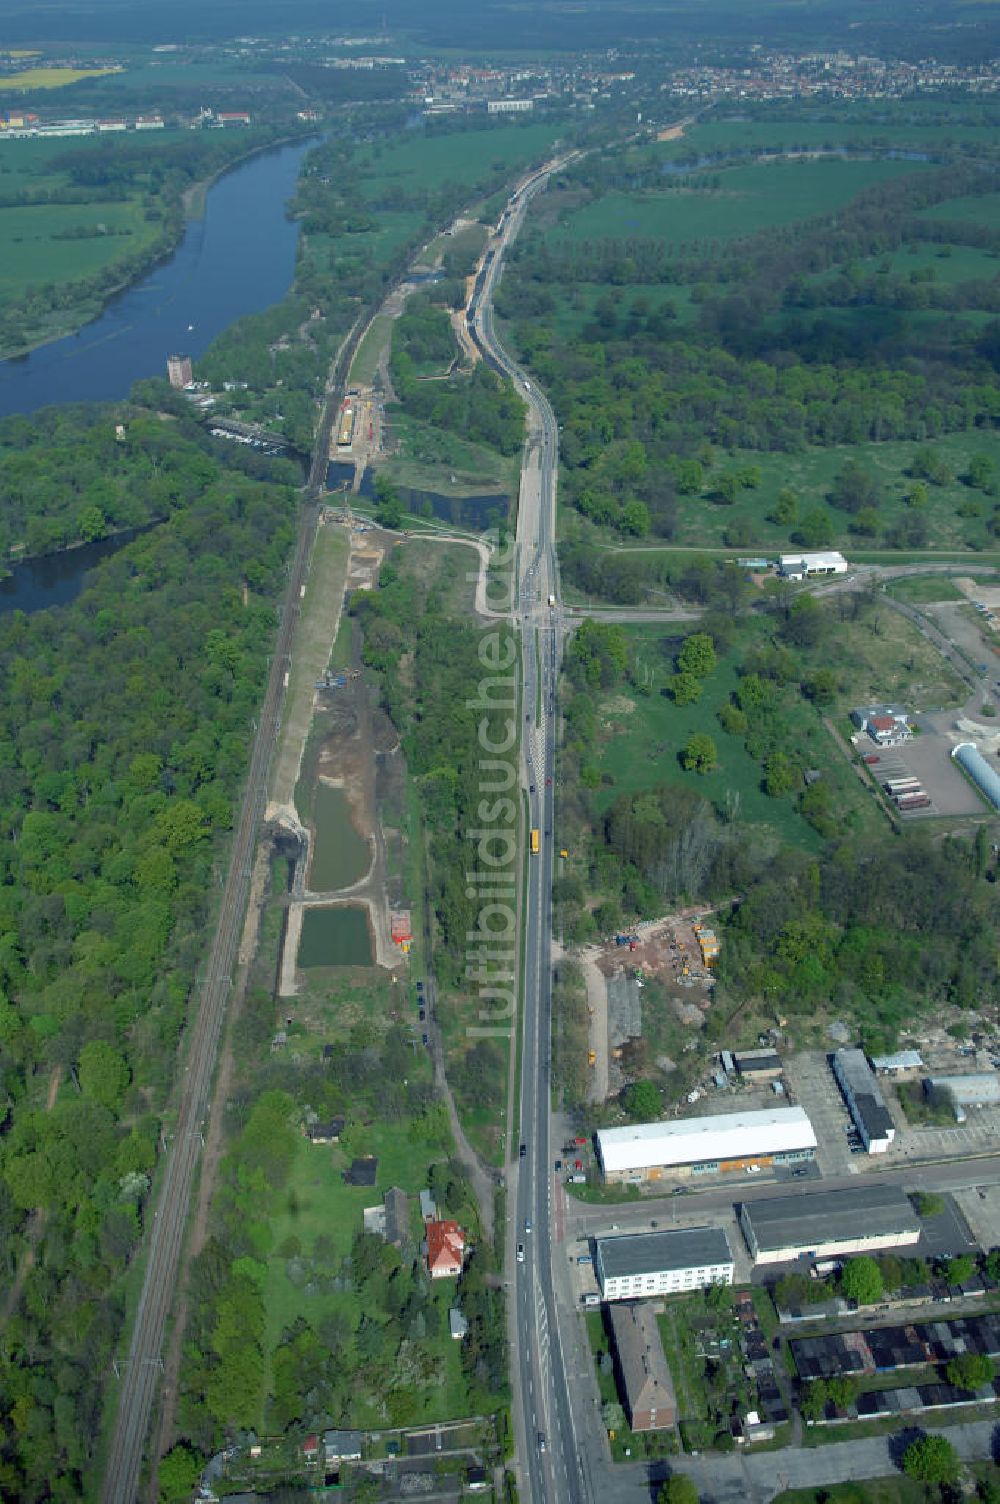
x=238 y=258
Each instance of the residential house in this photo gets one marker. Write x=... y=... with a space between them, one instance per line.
x=324 y=1133
x=363 y=1171
x=445 y=1249
x=341 y=1446
x=644 y=1383
x=397 y=1217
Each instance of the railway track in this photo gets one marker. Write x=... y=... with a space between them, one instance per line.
x=140 y=1370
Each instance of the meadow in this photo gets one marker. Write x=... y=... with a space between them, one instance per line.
x=747 y=199
x=946 y=265
x=40 y=243
x=433 y=459
x=40 y=240
x=425 y=162
x=48 y=78
x=643 y=736
x=981 y=210
x=880 y=656
x=740 y=135
x=810 y=475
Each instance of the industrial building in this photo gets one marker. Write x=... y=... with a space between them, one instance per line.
x=806 y=566
x=644 y=1382
x=981 y=1089
x=758 y=1065
x=705 y=1146
x=986 y=779
x=903 y=1064
x=644 y=1264
x=864 y=1099
x=829 y=1223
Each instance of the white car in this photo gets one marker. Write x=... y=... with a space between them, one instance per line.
x=520 y=1253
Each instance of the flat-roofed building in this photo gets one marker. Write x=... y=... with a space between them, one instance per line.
x=806 y=566
x=704 y=1146
x=758 y=1065
x=860 y=1220
x=644 y=1264
x=864 y=1099
x=904 y=1063
x=979 y=1089
x=644 y=1382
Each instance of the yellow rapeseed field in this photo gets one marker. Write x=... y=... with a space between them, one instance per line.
x=51 y=78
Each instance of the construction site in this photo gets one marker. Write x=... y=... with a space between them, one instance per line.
x=654 y=983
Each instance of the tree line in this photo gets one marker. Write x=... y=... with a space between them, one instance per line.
x=124 y=723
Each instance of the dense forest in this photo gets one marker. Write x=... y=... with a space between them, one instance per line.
x=124 y=722
x=791 y=341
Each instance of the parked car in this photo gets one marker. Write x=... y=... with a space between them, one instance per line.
x=423 y=1014
x=424 y=1039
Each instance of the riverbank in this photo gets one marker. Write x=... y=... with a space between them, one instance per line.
x=179 y=211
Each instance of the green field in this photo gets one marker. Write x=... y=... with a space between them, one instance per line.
x=369 y=352
x=32 y=79
x=922 y=590
x=896 y=1489
x=880 y=656
x=432 y=459
x=948 y=265
x=981 y=210
x=747 y=199
x=427 y=161
x=643 y=735
x=35 y=252
x=318 y=1205
x=819 y=135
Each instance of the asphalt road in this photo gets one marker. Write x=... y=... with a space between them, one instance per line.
x=140 y=1371
x=630 y=1216
x=561 y=1446
x=547 y=1450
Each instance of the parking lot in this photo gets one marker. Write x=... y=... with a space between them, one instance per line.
x=981 y=1209
x=813 y=1086
x=928 y=757
x=979 y=1135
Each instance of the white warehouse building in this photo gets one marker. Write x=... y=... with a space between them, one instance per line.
x=807 y=566
x=637 y=1266
x=986 y=779
x=705 y=1146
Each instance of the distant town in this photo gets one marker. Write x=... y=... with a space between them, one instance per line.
x=439 y=88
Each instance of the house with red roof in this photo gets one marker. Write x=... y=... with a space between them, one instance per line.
x=445 y=1249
